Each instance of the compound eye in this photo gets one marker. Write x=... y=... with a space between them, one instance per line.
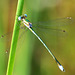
x=19 y=18
x=25 y=15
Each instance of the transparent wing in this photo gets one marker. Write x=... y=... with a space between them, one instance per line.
x=54 y=27
x=53 y=23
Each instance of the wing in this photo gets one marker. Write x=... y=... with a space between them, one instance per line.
x=56 y=22
x=53 y=27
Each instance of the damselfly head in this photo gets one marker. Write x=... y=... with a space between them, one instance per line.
x=22 y=17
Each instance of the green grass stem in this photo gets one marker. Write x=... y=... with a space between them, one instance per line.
x=14 y=39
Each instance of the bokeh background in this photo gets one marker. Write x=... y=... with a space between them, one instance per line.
x=31 y=56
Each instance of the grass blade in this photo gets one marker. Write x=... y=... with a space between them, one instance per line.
x=14 y=39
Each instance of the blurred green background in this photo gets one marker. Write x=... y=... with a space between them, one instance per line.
x=31 y=56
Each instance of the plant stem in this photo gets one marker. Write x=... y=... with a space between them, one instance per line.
x=14 y=39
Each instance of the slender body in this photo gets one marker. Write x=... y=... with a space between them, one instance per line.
x=29 y=26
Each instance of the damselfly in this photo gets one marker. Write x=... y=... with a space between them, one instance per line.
x=43 y=25
x=28 y=24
